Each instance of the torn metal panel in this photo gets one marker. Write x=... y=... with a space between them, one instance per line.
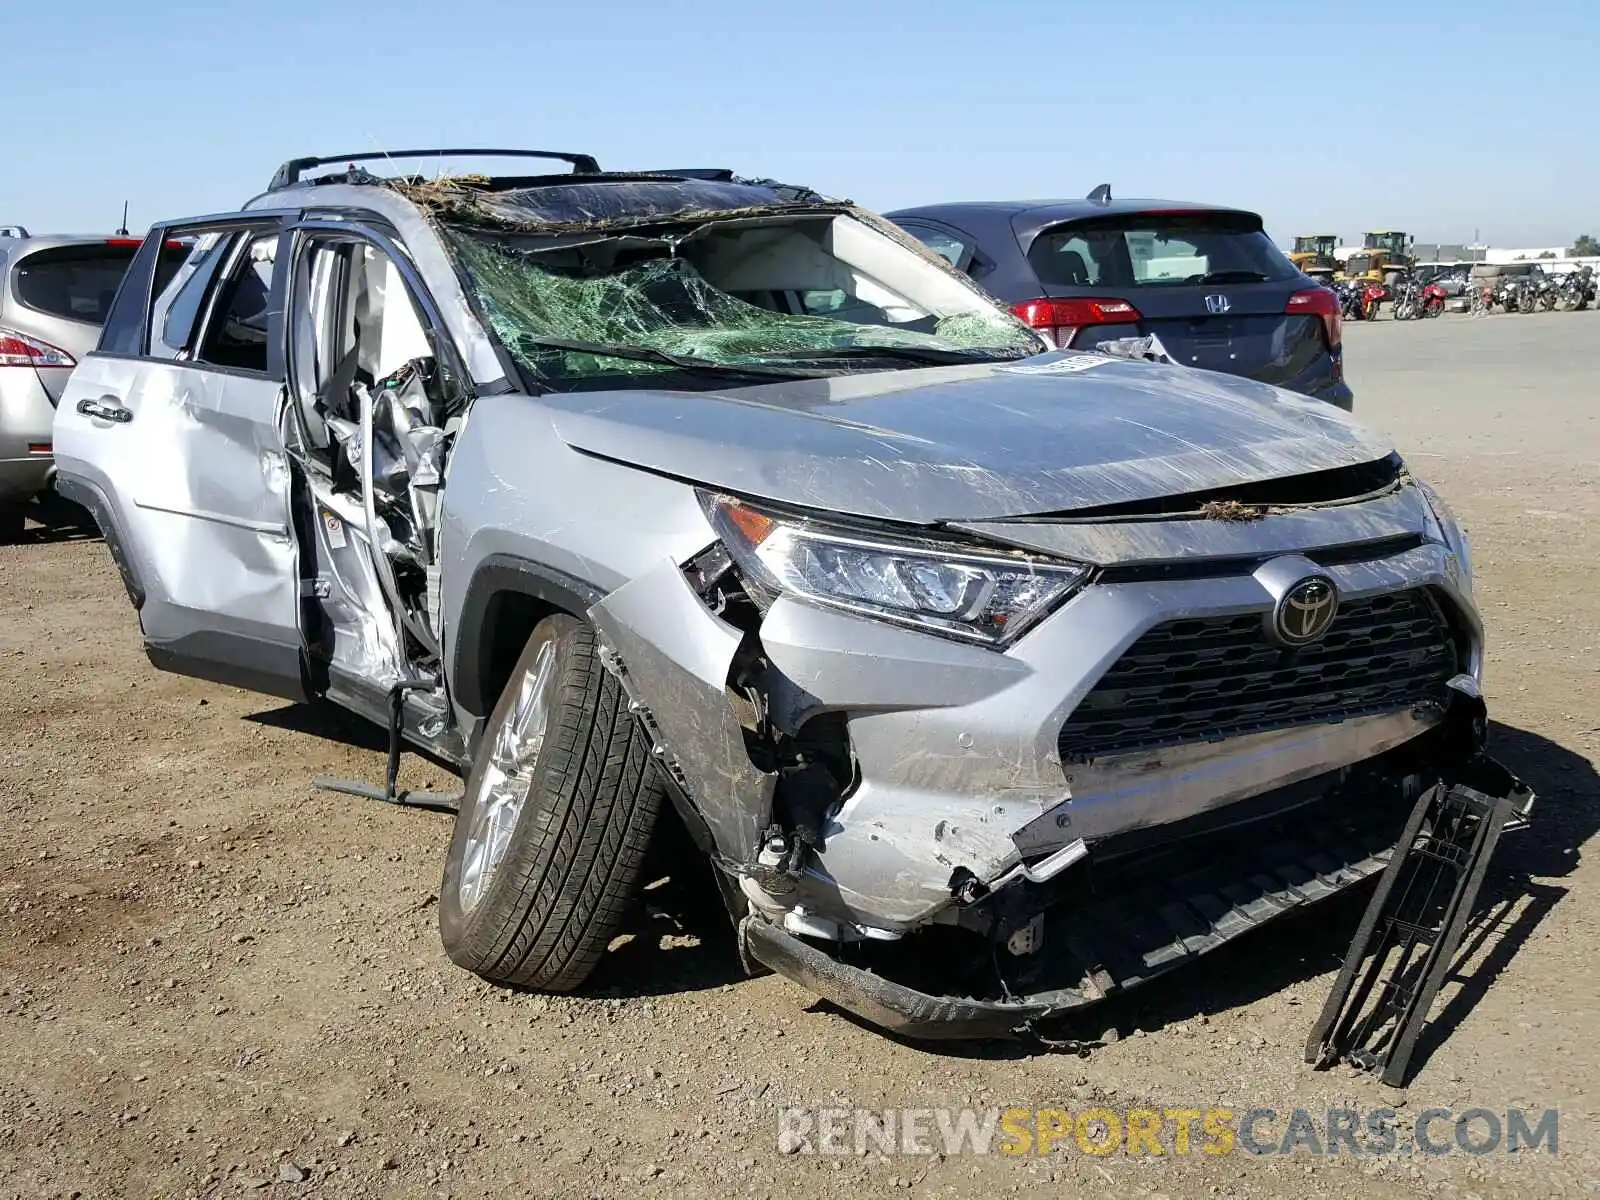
x=973 y=443
x=674 y=658
x=361 y=641
x=1147 y=348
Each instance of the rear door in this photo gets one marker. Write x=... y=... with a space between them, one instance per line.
x=1210 y=286
x=169 y=431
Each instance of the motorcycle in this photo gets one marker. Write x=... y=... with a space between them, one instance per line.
x=1407 y=298
x=1414 y=300
x=1508 y=295
x=1349 y=294
x=1576 y=290
x=1546 y=292
x=1360 y=299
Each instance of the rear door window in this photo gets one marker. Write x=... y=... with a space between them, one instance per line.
x=78 y=282
x=1158 y=250
x=236 y=331
x=179 y=304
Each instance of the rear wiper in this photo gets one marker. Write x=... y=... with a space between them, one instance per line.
x=683 y=362
x=1234 y=277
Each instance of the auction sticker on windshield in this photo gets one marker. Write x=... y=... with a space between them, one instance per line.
x=1069 y=364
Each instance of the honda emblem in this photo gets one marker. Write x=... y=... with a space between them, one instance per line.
x=1217 y=305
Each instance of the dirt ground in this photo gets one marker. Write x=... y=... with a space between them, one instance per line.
x=215 y=981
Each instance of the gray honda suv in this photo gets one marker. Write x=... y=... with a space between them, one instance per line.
x=988 y=678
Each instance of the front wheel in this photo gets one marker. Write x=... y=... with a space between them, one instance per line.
x=555 y=819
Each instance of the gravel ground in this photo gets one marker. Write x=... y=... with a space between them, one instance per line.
x=215 y=981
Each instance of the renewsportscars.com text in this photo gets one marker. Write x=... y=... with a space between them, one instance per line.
x=1156 y=1132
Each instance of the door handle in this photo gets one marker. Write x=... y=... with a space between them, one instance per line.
x=106 y=409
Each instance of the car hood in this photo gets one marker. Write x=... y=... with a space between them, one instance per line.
x=1050 y=434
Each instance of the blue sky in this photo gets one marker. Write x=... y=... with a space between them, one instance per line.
x=1339 y=116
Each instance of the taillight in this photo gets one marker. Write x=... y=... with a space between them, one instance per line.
x=1060 y=320
x=1323 y=303
x=18 y=350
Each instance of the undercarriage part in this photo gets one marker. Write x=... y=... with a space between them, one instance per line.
x=1124 y=915
x=389 y=793
x=1412 y=928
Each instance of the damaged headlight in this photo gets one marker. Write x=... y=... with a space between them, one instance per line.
x=943 y=588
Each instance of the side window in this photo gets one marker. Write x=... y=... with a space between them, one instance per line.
x=946 y=245
x=178 y=306
x=124 y=328
x=236 y=332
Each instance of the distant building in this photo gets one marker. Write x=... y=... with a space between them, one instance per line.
x=1448 y=252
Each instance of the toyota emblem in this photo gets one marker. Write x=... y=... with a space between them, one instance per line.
x=1304 y=612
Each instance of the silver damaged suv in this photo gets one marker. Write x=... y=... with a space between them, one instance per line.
x=990 y=679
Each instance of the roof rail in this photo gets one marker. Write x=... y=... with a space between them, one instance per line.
x=289 y=173
x=710 y=174
x=13 y=231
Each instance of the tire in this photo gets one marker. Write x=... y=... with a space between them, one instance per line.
x=13 y=517
x=543 y=912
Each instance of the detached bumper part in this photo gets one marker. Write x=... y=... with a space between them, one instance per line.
x=883 y=1002
x=1150 y=910
x=1413 y=926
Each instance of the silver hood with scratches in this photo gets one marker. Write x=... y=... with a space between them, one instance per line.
x=1051 y=434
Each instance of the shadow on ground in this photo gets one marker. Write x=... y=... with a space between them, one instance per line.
x=52 y=518
x=325 y=721
x=679 y=937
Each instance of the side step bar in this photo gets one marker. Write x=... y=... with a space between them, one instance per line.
x=1414 y=923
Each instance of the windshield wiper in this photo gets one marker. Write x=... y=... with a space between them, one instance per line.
x=683 y=362
x=929 y=355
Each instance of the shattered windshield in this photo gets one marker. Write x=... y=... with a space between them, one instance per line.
x=784 y=296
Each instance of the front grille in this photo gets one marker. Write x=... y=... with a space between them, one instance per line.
x=1211 y=678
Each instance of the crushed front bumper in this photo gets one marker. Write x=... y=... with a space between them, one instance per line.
x=1133 y=914
x=1143 y=908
